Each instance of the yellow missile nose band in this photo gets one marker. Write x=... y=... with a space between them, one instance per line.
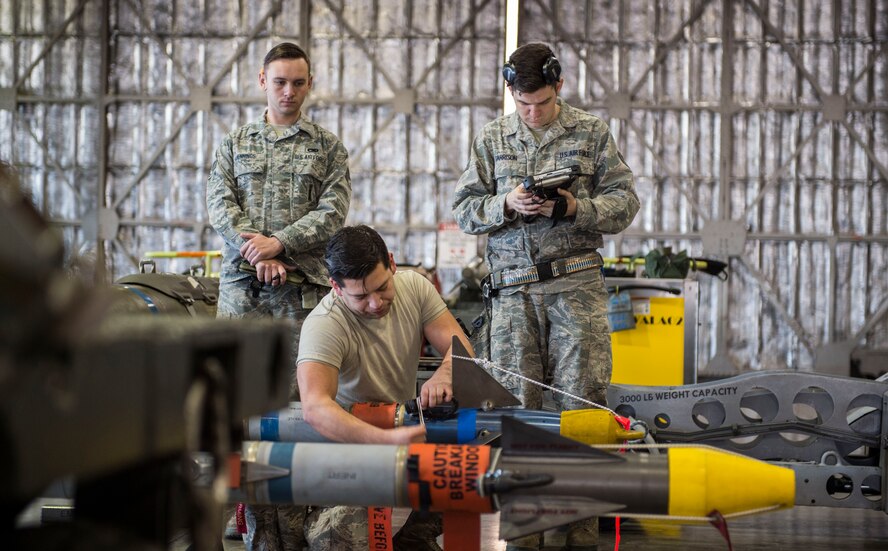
x=595 y=427
x=700 y=478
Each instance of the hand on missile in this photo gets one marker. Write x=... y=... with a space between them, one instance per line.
x=271 y=272
x=258 y=247
x=436 y=390
x=415 y=434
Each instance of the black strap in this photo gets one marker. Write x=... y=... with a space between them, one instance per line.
x=255 y=287
x=559 y=209
x=425 y=494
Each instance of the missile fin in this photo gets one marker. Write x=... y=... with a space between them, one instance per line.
x=257 y=472
x=523 y=515
x=474 y=387
x=520 y=438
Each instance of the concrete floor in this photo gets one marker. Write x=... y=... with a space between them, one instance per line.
x=801 y=528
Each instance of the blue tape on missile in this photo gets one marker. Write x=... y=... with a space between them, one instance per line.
x=269 y=427
x=440 y=432
x=279 y=489
x=460 y=430
x=466 y=426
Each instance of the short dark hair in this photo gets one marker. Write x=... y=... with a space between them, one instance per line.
x=354 y=252
x=528 y=62
x=286 y=50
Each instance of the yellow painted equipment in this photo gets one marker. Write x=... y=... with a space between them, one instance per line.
x=661 y=349
x=595 y=427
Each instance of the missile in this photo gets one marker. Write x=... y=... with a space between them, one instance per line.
x=537 y=480
x=446 y=425
x=164 y=294
x=474 y=416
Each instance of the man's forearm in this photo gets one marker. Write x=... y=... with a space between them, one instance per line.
x=333 y=422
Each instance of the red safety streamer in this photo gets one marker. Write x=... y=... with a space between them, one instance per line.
x=721 y=524
x=625 y=423
x=617 y=536
x=379 y=528
x=239 y=519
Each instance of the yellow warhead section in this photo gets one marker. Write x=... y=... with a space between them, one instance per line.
x=701 y=477
x=595 y=427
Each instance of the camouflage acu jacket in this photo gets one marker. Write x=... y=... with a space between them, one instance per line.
x=294 y=186
x=505 y=151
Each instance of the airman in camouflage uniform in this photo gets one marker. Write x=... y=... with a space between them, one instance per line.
x=278 y=189
x=556 y=330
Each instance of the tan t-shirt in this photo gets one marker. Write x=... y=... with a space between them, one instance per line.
x=377 y=359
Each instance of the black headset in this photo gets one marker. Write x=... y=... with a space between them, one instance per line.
x=551 y=71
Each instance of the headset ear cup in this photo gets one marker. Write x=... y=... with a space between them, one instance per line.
x=552 y=70
x=509 y=73
x=556 y=70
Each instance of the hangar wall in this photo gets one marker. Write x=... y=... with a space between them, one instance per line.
x=756 y=130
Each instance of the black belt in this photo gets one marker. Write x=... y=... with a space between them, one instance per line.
x=541 y=271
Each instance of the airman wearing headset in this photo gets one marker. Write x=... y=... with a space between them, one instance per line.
x=547 y=298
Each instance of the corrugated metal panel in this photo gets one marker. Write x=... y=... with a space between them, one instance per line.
x=802 y=172
x=736 y=112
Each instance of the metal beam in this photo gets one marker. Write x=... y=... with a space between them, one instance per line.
x=790 y=51
x=669 y=45
x=260 y=25
x=356 y=36
x=559 y=28
x=102 y=162
x=146 y=165
x=140 y=15
x=871 y=322
x=877 y=164
x=675 y=177
x=353 y=161
x=774 y=179
x=768 y=292
x=60 y=30
x=51 y=160
x=468 y=23
x=726 y=159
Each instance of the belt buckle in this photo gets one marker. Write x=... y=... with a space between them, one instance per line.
x=485 y=289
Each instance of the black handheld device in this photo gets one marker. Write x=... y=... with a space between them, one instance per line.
x=545 y=186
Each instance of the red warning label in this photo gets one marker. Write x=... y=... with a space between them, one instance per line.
x=450 y=474
x=379 y=528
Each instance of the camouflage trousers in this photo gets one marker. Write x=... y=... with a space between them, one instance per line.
x=582 y=534
x=562 y=339
x=340 y=528
x=274 y=527
x=237 y=300
x=271 y=527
